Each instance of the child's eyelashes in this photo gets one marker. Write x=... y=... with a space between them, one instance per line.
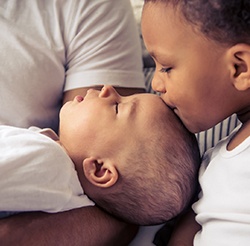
x=165 y=69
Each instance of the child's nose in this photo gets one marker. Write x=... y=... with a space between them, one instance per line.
x=108 y=91
x=158 y=84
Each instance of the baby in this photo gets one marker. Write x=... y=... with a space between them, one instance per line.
x=132 y=156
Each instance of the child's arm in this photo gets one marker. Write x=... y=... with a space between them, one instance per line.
x=185 y=230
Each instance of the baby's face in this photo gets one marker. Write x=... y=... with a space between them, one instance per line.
x=191 y=71
x=105 y=123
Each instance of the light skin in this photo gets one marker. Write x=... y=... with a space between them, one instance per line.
x=203 y=81
x=75 y=227
x=104 y=124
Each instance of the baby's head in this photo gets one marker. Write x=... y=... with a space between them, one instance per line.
x=139 y=161
x=201 y=49
x=156 y=174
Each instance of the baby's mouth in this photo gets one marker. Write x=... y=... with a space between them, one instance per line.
x=79 y=98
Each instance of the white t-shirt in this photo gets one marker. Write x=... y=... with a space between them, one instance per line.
x=50 y=46
x=36 y=174
x=223 y=209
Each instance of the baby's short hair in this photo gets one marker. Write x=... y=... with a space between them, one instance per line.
x=160 y=176
x=227 y=22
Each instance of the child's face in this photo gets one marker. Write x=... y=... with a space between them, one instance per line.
x=190 y=71
x=105 y=122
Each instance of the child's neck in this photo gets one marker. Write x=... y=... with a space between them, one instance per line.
x=244 y=115
x=240 y=136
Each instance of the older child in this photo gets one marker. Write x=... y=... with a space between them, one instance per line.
x=132 y=156
x=202 y=55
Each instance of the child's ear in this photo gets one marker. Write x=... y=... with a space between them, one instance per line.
x=240 y=66
x=100 y=173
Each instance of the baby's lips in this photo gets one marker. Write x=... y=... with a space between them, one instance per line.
x=79 y=98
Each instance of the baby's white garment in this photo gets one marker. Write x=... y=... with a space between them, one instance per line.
x=36 y=174
x=223 y=209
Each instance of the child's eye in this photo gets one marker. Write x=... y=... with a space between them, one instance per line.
x=165 y=69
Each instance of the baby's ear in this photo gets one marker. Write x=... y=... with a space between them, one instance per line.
x=239 y=55
x=100 y=173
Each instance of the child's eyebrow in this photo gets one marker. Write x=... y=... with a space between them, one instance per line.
x=154 y=52
x=160 y=56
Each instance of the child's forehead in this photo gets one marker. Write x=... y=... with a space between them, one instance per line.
x=156 y=16
x=172 y=12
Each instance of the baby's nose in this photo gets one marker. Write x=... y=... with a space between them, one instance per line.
x=107 y=91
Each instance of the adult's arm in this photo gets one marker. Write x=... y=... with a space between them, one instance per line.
x=85 y=226
x=185 y=230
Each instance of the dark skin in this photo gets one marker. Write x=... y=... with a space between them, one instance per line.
x=186 y=228
x=46 y=229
